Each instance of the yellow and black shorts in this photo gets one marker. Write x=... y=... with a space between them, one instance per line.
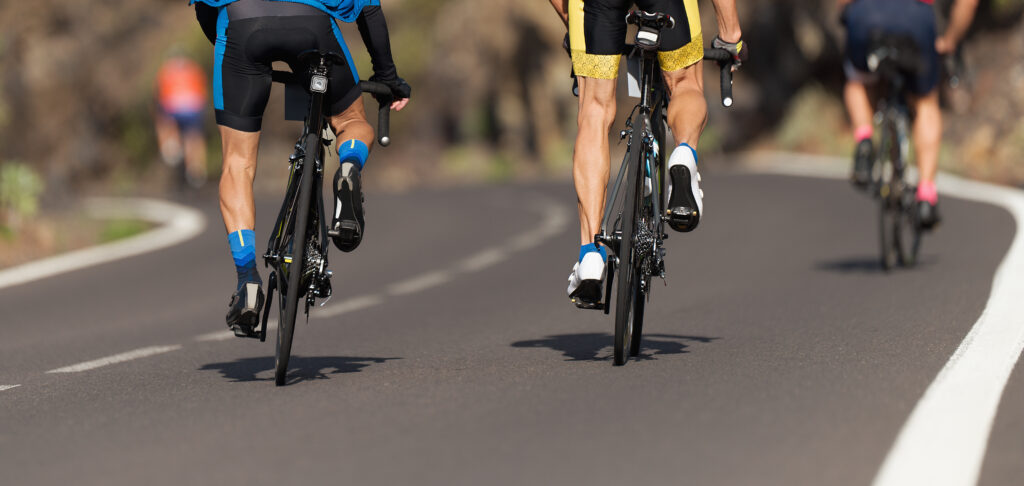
x=597 y=32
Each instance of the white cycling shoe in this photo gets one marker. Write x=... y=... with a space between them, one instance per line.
x=586 y=281
x=685 y=197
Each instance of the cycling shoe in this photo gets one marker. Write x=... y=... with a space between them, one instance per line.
x=686 y=198
x=927 y=215
x=347 y=226
x=863 y=159
x=244 y=309
x=585 y=282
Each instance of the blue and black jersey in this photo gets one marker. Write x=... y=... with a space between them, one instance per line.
x=343 y=10
x=249 y=35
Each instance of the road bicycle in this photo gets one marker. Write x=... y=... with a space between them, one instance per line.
x=894 y=59
x=633 y=226
x=297 y=250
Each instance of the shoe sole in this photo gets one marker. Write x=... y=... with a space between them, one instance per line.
x=347 y=232
x=682 y=214
x=587 y=295
x=244 y=325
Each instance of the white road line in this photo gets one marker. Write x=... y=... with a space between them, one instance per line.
x=945 y=438
x=8 y=387
x=178 y=224
x=554 y=219
x=482 y=260
x=420 y=283
x=349 y=305
x=227 y=335
x=117 y=358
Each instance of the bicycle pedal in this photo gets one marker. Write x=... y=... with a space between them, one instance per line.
x=588 y=305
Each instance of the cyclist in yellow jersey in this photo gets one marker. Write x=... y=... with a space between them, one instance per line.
x=597 y=33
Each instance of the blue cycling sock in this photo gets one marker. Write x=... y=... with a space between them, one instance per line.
x=592 y=247
x=693 y=150
x=353 y=151
x=243 y=251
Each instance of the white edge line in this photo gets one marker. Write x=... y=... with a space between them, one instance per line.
x=349 y=305
x=420 y=283
x=117 y=358
x=178 y=224
x=944 y=440
x=8 y=387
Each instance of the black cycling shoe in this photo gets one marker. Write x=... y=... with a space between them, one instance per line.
x=683 y=211
x=347 y=226
x=927 y=215
x=863 y=159
x=244 y=309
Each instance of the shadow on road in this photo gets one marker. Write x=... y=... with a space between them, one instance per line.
x=866 y=264
x=597 y=346
x=300 y=368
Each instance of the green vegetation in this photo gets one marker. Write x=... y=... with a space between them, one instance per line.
x=117 y=229
x=20 y=188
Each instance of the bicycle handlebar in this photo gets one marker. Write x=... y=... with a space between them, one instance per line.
x=379 y=90
x=384 y=99
x=725 y=63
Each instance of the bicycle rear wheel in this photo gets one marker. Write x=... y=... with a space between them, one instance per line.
x=629 y=281
x=908 y=234
x=292 y=293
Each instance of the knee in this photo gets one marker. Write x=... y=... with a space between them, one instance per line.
x=599 y=111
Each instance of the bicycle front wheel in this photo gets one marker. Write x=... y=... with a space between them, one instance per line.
x=292 y=292
x=629 y=281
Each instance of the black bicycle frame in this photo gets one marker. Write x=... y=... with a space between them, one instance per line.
x=303 y=155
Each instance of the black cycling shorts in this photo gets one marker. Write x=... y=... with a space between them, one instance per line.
x=912 y=18
x=250 y=36
x=597 y=33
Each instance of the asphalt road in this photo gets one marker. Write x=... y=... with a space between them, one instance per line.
x=778 y=354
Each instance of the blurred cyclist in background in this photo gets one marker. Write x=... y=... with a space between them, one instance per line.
x=915 y=19
x=181 y=96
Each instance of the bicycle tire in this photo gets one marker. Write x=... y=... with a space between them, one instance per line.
x=638 y=324
x=888 y=227
x=908 y=232
x=290 y=298
x=628 y=286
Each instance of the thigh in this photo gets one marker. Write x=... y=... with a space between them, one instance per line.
x=597 y=33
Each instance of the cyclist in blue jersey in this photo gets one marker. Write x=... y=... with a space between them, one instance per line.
x=248 y=36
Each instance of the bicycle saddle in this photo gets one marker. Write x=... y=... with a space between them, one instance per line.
x=888 y=52
x=648 y=35
x=314 y=57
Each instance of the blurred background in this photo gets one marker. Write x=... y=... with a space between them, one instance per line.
x=491 y=102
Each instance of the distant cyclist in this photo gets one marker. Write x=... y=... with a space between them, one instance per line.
x=916 y=19
x=597 y=33
x=249 y=35
x=181 y=96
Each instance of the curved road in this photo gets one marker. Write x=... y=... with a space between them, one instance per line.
x=778 y=354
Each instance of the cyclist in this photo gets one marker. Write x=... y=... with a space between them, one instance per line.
x=916 y=19
x=248 y=36
x=597 y=32
x=181 y=95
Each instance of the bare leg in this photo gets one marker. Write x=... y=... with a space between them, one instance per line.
x=236 y=200
x=195 y=155
x=858 y=104
x=351 y=124
x=168 y=138
x=927 y=135
x=687 y=110
x=591 y=159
